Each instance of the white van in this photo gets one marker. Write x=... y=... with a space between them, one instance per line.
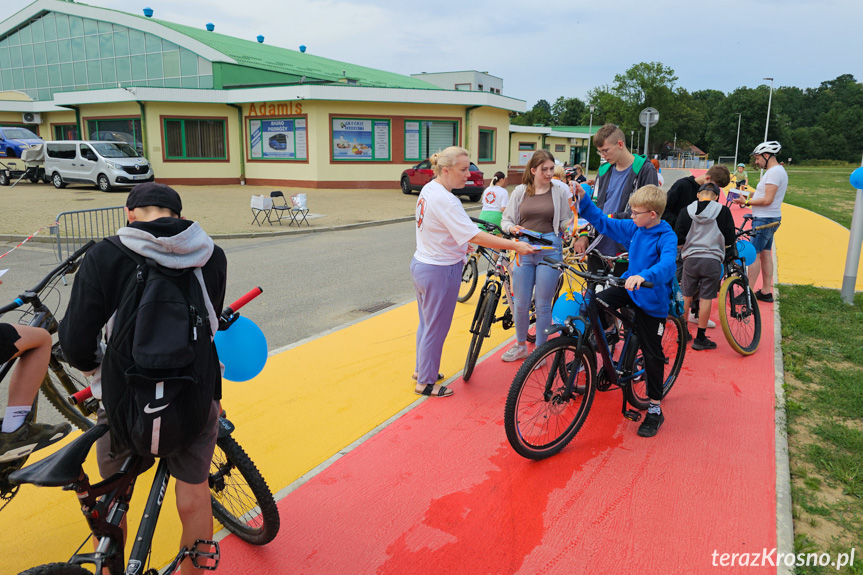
x=103 y=164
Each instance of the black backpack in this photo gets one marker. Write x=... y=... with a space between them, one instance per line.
x=155 y=388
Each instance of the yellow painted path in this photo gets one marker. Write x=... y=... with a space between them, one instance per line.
x=811 y=249
x=310 y=402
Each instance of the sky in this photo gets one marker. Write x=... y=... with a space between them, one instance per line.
x=553 y=48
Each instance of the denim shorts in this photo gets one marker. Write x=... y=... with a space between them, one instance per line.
x=763 y=239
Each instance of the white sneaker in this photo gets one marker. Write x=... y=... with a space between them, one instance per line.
x=515 y=353
x=693 y=319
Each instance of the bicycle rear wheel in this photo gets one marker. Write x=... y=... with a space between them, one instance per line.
x=468 y=280
x=242 y=501
x=482 y=327
x=674 y=350
x=740 y=320
x=61 y=381
x=539 y=422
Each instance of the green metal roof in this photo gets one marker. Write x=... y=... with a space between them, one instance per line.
x=582 y=129
x=252 y=54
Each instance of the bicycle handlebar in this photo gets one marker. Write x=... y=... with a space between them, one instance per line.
x=493 y=226
x=605 y=279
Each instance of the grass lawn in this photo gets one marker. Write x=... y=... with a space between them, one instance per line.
x=822 y=344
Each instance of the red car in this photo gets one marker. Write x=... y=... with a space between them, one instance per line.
x=413 y=179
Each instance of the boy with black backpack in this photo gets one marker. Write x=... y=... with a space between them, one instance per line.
x=155 y=288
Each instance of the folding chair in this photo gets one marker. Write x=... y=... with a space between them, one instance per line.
x=299 y=209
x=280 y=207
x=261 y=207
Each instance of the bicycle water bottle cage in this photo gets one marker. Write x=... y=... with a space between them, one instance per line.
x=205 y=551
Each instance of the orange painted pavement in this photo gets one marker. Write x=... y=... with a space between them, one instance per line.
x=441 y=491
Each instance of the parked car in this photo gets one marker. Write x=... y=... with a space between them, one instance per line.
x=413 y=179
x=103 y=164
x=14 y=139
x=110 y=136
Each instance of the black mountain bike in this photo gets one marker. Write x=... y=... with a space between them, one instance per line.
x=497 y=283
x=61 y=380
x=739 y=314
x=552 y=392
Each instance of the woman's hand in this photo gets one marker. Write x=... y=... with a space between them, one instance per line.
x=523 y=248
x=581 y=244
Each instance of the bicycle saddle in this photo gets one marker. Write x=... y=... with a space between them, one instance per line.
x=748 y=216
x=62 y=467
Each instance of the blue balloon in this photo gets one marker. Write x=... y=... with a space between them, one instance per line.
x=568 y=304
x=587 y=189
x=857 y=178
x=746 y=251
x=243 y=349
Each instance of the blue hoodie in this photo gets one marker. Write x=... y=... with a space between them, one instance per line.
x=652 y=255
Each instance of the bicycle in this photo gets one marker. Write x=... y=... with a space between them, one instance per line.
x=551 y=394
x=739 y=314
x=497 y=279
x=61 y=379
x=104 y=504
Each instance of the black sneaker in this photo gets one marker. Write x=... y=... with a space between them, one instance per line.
x=765 y=297
x=650 y=425
x=30 y=437
x=703 y=343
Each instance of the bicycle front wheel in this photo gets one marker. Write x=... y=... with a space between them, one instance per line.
x=488 y=306
x=468 y=280
x=539 y=418
x=61 y=381
x=674 y=350
x=56 y=569
x=740 y=320
x=242 y=501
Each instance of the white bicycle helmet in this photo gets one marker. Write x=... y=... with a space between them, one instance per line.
x=771 y=147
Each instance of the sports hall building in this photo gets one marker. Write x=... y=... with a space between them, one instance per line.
x=206 y=108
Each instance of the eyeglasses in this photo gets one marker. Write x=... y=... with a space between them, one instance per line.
x=634 y=213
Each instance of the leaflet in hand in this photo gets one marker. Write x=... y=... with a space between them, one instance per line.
x=535 y=235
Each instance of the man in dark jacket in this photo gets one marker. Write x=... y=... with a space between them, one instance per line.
x=155 y=231
x=685 y=191
x=615 y=186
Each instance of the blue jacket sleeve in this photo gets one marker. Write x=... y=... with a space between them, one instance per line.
x=662 y=271
x=620 y=231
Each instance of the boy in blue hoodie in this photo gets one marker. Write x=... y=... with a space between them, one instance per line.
x=652 y=246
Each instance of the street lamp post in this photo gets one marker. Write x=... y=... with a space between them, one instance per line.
x=767 y=124
x=589 y=136
x=737 y=145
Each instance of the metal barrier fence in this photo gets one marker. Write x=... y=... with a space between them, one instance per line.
x=686 y=163
x=74 y=229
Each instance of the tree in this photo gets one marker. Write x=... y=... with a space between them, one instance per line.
x=567 y=111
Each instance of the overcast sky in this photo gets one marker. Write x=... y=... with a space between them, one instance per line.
x=561 y=47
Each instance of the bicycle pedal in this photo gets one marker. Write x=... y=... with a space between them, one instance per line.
x=211 y=556
x=632 y=415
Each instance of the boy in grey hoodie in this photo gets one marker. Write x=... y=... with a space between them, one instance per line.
x=703 y=228
x=155 y=231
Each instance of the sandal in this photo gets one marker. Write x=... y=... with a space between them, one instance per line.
x=428 y=389
x=439 y=376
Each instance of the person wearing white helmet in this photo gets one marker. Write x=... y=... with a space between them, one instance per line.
x=766 y=205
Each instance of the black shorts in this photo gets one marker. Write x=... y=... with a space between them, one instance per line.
x=8 y=336
x=701 y=277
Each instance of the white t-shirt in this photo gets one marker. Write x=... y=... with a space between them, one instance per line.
x=779 y=178
x=494 y=198
x=443 y=227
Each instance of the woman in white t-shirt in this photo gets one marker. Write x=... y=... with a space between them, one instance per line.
x=443 y=232
x=494 y=200
x=766 y=205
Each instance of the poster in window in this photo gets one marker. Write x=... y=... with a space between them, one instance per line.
x=352 y=139
x=301 y=138
x=412 y=140
x=382 y=140
x=273 y=139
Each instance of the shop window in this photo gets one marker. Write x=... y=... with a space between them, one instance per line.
x=527 y=145
x=278 y=139
x=486 y=145
x=558 y=148
x=195 y=139
x=361 y=139
x=426 y=137
x=66 y=132
x=116 y=129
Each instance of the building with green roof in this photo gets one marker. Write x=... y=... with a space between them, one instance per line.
x=208 y=108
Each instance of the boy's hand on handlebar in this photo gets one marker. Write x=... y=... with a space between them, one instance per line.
x=633 y=282
x=515 y=230
x=581 y=244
